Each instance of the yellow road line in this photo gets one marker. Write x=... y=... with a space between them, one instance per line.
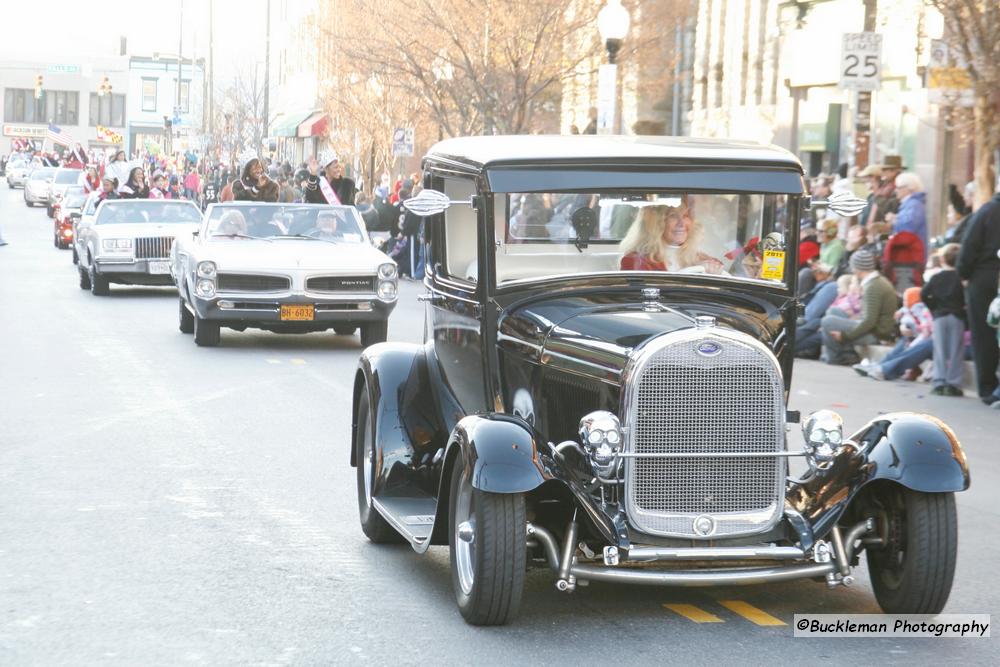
x=693 y=613
x=751 y=613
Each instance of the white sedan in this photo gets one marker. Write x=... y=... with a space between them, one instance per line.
x=128 y=241
x=287 y=268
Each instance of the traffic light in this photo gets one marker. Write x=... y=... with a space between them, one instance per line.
x=104 y=88
x=38 y=87
x=167 y=123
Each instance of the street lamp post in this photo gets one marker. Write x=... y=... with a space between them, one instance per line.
x=612 y=24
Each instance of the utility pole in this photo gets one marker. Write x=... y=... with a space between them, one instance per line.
x=267 y=71
x=211 y=71
x=180 y=63
x=863 y=113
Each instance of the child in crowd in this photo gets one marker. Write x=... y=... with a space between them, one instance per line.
x=848 y=296
x=914 y=347
x=945 y=297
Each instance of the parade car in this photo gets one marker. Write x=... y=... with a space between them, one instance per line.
x=604 y=381
x=67 y=209
x=128 y=242
x=17 y=172
x=62 y=180
x=87 y=214
x=38 y=186
x=285 y=268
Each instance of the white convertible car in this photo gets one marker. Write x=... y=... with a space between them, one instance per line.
x=128 y=241
x=286 y=268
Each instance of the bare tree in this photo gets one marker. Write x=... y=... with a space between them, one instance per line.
x=972 y=27
x=476 y=66
x=239 y=112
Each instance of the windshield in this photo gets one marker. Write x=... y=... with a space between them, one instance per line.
x=67 y=177
x=338 y=224
x=736 y=235
x=18 y=164
x=43 y=174
x=140 y=211
x=74 y=197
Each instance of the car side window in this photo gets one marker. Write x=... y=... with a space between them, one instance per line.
x=460 y=231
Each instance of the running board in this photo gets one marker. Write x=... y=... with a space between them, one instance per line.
x=413 y=518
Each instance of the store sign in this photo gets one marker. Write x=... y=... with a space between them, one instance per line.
x=11 y=130
x=62 y=69
x=861 y=61
x=948 y=79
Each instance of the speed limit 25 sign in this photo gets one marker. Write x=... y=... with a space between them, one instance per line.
x=861 y=61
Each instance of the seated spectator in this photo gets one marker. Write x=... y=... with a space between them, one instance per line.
x=914 y=347
x=848 y=298
x=945 y=297
x=808 y=245
x=808 y=338
x=832 y=249
x=878 y=303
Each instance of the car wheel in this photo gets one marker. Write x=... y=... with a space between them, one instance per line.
x=486 y=538
x=28 y=203
x=373 y=524
x=913 y=571
x=84 y=277
x=185 y=318
x=76 y=258
x=99 y=285
x=55 y=241
x=206 y=334
x=345 y=330
x=374 y=332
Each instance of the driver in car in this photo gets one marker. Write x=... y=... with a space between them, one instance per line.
x=666 y=238
x=232 y=223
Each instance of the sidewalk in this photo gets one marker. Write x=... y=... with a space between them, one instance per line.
x=876 y=352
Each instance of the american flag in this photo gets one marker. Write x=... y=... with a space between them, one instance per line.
x=58 y=136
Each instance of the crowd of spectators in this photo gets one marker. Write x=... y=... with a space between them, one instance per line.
x=879 y=279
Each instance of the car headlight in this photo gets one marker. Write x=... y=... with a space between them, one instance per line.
x=387 y=290
x=206 y=269
x=823 y=431
x=116 y=245
x=601 y=436
x=205 y=288
x=387 y=270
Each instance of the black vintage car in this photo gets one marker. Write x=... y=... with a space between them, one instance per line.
x=603 y=387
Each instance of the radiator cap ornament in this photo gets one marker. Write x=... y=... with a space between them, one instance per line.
x=704 y=322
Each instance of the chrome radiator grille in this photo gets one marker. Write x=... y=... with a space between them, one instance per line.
x=153 y=247
x=365 y=284
x=247 y=282
x=682 y=400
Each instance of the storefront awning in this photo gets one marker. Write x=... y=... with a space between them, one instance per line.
x=286 y=124
x=314 y=126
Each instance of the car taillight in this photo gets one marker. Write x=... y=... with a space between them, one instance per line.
x=67 y=232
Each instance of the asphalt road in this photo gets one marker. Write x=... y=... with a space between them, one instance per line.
x=163 y=504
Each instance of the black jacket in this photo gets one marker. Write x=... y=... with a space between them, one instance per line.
x=344 y=187
x=244 y=191
x=981 y=241
x=944 y=294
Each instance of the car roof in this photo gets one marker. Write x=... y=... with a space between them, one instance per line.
x=487 y=151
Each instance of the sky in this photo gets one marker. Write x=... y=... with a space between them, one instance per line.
x=77 y=29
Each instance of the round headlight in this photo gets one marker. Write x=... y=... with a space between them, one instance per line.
x=823 y=431
x=205 y=288
x=387 y=290
x=601 y=434
x=387 y=270
x=206 y=269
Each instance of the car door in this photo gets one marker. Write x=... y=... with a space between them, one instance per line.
x=453 y=312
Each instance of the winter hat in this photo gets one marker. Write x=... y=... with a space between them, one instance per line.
x=246 y=157
x=911 y=296
x=863 y=260
x=326 y=157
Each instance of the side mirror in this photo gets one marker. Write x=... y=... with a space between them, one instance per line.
x=75 y=216
x=841 y=203
x=431 y=202
x=195 y=234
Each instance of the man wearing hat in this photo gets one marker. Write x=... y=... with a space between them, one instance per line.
x=882 y=183
x=878 y=304
x=327 y=184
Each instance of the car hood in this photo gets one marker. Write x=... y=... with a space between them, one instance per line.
x=291 y=254
x=144 y=229
x=596 y=334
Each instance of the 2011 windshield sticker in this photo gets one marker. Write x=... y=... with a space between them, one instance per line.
x=774 y=265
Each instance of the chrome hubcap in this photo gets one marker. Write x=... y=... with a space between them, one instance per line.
x=465 y=538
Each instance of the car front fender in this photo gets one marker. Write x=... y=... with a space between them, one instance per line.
x=917 y=451
x=501 y=452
